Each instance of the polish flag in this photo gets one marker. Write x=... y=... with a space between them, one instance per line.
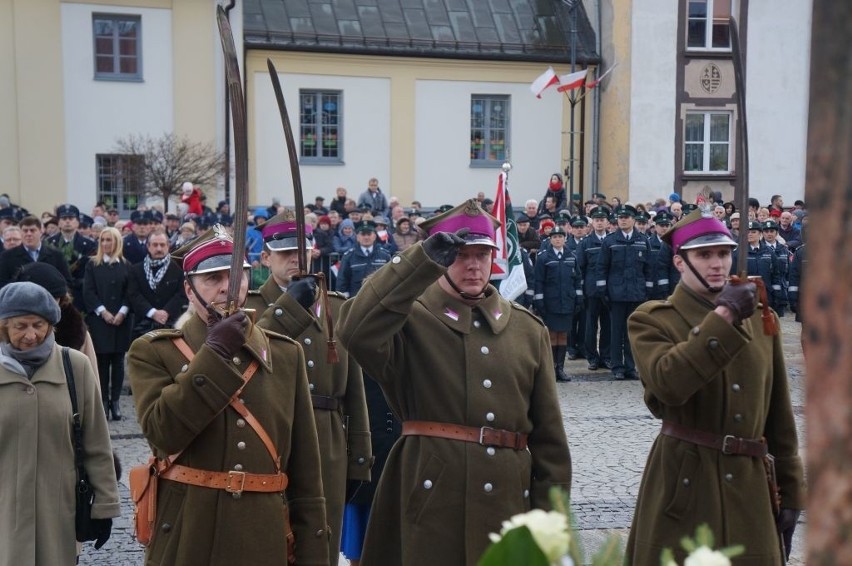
x=596 y=82
x=546 y=80
x=572 y=80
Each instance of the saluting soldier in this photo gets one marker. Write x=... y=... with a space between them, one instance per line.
x=293 y=308
x=239 y=483
x=470 y=375
x=75 y=247
x=719 y=385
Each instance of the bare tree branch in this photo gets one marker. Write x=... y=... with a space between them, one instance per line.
x=163 y=164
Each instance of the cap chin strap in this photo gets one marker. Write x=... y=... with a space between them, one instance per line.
x=707 y=286
x=211 y=310
x=466 y=296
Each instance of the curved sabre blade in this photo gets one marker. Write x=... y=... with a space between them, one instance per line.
x=294 y=166
x=742 y=201
x=238 y=118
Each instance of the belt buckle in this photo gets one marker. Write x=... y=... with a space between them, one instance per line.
x=242 y=482
x=727 y=444
x=482 y=430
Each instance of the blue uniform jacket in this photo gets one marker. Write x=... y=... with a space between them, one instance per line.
x=624 y=269
x=558 y=282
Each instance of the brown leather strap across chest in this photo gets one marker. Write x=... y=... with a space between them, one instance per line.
x=726 y=444
x=485 y=436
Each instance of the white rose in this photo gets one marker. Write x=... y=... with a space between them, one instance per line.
x=549 y=530
x=703 y=556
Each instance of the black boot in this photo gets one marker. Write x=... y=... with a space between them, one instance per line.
x=559 y=361
x=105 y=401
x=115 y=410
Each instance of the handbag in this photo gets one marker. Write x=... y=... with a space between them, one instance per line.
x=84 y=494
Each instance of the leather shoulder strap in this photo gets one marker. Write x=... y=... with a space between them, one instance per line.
x=237 y=405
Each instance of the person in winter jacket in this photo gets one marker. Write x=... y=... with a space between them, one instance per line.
x=345 y=240
x=555 y=189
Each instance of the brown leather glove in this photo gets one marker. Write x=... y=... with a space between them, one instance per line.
x=227 y=336
x=443 y=247
x=740 y=299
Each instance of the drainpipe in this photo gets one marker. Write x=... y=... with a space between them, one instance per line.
x=596 y=117
x=228 y=9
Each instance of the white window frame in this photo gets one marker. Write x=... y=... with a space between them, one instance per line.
x=708 y=27
x=116 y=74
x=707 y=143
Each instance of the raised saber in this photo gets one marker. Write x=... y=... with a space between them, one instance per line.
x=742 y=126
x=294 y=167
x=238 y=119
x=332 y=357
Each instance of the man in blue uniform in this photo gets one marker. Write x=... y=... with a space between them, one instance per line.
x=761 y=261
x=664 y=275
x=624 y=271
x=362 y=260
x=597 y=311
x=75 y=248
x=778 y=300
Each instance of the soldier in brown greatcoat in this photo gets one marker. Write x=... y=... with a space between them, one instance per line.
x=471 y=377
x=227 y=497
x=719 y=384
x=337 y=389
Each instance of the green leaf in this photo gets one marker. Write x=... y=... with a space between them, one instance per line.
x=704 y=535
x=516 y=547
x=731 y=551
x=688 y=544
x=667 y=557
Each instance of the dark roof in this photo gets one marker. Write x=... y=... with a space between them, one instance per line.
x=505 y=30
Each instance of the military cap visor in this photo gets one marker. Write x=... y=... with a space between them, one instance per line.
x=285 y=242
x=708 y=240
x=481 y=226
x=212 y=251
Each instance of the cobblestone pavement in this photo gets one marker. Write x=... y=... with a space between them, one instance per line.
x=610 y=432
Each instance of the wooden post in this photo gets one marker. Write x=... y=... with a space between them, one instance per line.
x=827 y=304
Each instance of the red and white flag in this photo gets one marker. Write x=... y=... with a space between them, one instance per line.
x=572 y=80
x=543 y=82
x=596 y=82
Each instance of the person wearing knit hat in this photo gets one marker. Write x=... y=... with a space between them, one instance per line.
x=211 y=391
x=36 y=424
x=470 y=375
x=717 y=381
x=291 y=305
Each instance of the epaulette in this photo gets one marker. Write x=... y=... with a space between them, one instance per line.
x=526 y=311
x=254 y=291
x=337 y=295
x=651 y=306
x=277 y=336
x=161 y=333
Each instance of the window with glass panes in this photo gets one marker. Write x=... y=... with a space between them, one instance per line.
x=708 y=24
x=320 y=120
x=119 y=180
x=118 y=46
x=707 y=142
x=489 y=129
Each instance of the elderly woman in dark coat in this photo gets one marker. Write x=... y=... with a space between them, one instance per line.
x=107 y=307
x=36 y=450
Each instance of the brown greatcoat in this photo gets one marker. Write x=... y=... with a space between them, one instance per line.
x=344 y=434
x=703 y=373
x=438 y=359
x=183 y=406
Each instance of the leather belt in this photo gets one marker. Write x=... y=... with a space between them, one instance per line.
x=726 y=444
x=232 y=482
x=485 y=436
x=325 y=402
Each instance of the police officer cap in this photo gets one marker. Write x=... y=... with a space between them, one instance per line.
x=579 y=222
x=68 y=211
x=156 y=216
x=522 y=218
x=641 y=218
x=770 y=225
x=687 y=208
x=86 y=221
x=625 y=210
x=557 y=231
x=7 y=213
x=755 y=225
x=443 y=208
x=599 y=212
x=663 y=218
x=365 y=226
x=563 y=217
